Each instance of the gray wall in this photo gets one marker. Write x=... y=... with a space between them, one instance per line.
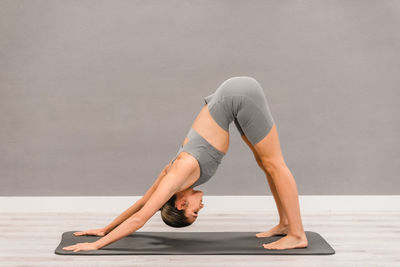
x=97 y=96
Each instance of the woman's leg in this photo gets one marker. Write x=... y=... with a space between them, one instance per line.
x=282 y=226
x=254 y=119
x=270 y=156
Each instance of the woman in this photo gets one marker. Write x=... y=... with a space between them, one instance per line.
x=240 y=99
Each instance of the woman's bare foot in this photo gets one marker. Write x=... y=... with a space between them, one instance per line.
x=280 y=229
x=288 y=242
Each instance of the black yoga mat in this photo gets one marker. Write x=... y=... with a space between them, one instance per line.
x=193 y=243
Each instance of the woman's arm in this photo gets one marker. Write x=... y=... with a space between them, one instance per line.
x=123 y=216
x=168 y=186
x=153 y=188
x=138 y=205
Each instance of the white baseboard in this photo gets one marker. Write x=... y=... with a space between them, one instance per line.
x=308 y=204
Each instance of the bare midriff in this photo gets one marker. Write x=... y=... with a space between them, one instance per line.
x=205 y=125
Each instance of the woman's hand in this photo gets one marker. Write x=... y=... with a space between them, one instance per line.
x=82 y=246
x=96 y=232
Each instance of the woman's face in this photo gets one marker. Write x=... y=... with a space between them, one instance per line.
x=191 y=201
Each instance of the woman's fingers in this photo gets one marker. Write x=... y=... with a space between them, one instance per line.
x=96 y=232
x=72 y=247
x=82 y=246
x=80 y=233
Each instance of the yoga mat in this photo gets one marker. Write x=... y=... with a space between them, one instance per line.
x=193 y=243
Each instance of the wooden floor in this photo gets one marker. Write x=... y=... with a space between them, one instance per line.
x=360 y=239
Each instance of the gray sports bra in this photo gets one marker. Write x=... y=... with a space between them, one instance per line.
x=207 y=155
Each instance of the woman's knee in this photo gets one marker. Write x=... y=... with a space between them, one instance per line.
x=272 y=165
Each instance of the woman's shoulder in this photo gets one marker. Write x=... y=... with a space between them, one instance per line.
x=184 y=161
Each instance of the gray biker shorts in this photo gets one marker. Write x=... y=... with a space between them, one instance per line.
x=241 y=99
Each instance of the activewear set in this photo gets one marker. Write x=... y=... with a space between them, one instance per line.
x=240 y=99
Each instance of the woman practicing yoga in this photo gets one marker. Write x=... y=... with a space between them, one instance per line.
x=240 y=99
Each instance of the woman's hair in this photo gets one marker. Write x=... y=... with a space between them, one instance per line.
x=172 y=216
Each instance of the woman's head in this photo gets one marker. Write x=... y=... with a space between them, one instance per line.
x=182 y=208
